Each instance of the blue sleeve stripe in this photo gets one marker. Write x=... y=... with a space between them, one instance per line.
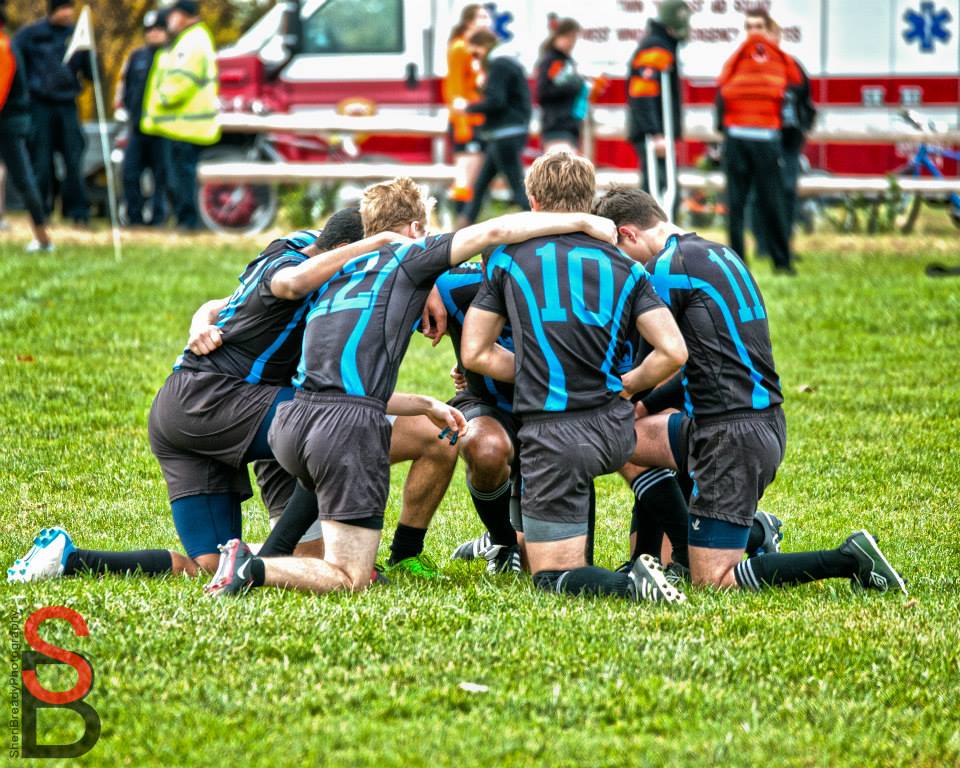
x=758 y=311
x=761 y=397
x=556 y=399
x=349 y=374
x=613 y=382
x=744 y=311
x=256 y=371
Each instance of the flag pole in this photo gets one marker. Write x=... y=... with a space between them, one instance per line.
x=105 y=146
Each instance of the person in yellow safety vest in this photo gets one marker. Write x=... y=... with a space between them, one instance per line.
x=180 y=104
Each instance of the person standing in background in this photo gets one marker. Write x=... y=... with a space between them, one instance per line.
x=752 y=87
x=656 y=54
x=14 y=129
x=180 y=104
x=506 y=109
x=799 y=114
x=461 y=88
x=563 y=94
x=55 y=123
x=143 y=151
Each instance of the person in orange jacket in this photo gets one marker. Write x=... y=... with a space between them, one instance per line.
x=752 y=84
x=460 y=89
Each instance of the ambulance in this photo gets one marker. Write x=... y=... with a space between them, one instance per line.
x=867 y=59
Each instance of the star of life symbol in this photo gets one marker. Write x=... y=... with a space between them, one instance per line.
x=500 y=22
x=928 y=26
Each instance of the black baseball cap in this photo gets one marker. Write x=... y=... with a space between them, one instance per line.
x=155 y=20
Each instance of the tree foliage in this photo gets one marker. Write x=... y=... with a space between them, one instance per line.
x=118 y=28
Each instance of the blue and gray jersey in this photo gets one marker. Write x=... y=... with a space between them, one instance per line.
x=360 y=322
x=720 y=311
x=573 y=303
x=457 y=288
x=262 y=335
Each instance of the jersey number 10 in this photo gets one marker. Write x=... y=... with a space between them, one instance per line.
x=553 y=311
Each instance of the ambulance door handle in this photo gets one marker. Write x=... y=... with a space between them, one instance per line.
x=410 y=78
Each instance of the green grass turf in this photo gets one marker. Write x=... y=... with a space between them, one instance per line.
x=811 y=676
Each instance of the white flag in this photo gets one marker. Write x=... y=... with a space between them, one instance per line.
x=82 y=39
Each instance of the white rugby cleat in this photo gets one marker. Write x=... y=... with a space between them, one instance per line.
x=46 y=559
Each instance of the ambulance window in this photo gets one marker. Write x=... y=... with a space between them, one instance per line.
x=355 y=26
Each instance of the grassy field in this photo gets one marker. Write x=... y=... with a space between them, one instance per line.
x=867 y=348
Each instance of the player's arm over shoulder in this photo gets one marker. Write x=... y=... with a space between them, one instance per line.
x=518 y=227
x=295 y=282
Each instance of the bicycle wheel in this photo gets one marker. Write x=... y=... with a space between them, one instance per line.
x=906 y=211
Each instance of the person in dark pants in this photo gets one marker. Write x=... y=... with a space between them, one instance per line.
x=752 y=87
x=563 y=94
x=144 y=152
x=656 y=54
x=14 y=129
x=799 y=114
x=506 y=107
x=54 y=87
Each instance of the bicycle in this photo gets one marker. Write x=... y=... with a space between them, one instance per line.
x=924 y=160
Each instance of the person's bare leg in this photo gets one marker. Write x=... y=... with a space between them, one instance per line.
x=40 y=234
x=714 y=567
x=201 y=563
x=488 y=454
x=653 y=442
x=562 y=555
x=415 y=439
x=347 y=564
x=309 y=549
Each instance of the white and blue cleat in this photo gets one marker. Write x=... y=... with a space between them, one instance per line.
x=46 y=559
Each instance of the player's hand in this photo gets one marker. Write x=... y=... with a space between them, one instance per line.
x=433 y=324
x=600 y=228
x=459 y=379
x=204 y=340
x=660 y=145
x=449 y=419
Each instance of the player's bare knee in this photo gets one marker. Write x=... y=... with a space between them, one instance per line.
x=205 y=563
x=487 y=457
x=182 y=564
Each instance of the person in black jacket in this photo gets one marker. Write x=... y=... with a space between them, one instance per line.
x=656 y=54
x=143 y=151
x=14 y=129
x=506 y=108
x=563 y=94
x=54 y=87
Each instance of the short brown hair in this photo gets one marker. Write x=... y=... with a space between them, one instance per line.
x=563 y=182
x=483 y=38
x=392 y=205
x=759 y=12
x=626 y=205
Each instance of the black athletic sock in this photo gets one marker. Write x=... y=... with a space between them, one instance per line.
x=591 y=525
x=588 y=580
x=661 y=501
x=299 y=514
x=150 y=562
x=407 y=542
x=648 y=531
x=784 y=568
x=755 y=539
x=258 y=572
x=493 y=509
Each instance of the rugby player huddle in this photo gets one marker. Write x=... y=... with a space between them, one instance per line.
x=586 y=343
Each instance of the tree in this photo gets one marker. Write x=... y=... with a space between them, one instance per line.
x=118 y=26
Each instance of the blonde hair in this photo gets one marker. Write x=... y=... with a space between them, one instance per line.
x=562 y=182
x=392 y=205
